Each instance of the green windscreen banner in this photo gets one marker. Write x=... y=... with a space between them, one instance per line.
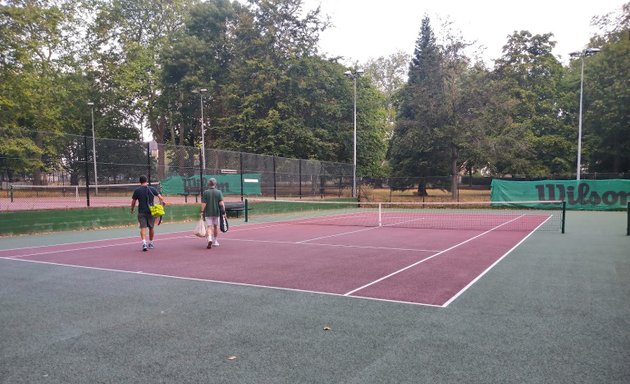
x=597 y=195
x=229 y=184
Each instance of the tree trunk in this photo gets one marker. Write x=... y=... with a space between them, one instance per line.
x=422 y=188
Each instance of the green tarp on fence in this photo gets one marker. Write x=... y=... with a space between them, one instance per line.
x=597 y=195
x=228 y=184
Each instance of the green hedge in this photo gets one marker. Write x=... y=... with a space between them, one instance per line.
x=23 y=222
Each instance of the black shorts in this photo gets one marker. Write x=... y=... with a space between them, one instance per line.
x=145 y=220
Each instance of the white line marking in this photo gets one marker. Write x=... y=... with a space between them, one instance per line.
x=427 y=258
x=92 y=241
x=334 y=245
x=492 y=266
x=67 y=250
x=15 y=257
x=230 y=283
x=337 y=234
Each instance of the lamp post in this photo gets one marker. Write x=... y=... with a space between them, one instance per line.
x=354 y=75
x=91 y=104
x=581 y=55
x=203 y=138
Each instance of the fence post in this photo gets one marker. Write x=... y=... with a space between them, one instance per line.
x=240 y=161
x=321 y=180
x=275 y=191
x=149 y=162
x=87 y=171
x=200 y=173
x=628 y=227
x=300 y=177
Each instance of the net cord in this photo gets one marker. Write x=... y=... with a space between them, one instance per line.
x=414 y=203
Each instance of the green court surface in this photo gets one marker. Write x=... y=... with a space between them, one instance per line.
x=554 y=310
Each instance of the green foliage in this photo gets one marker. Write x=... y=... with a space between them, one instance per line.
x=529 y=77
x=269 y=91
x=607 y=101
x=413 y=148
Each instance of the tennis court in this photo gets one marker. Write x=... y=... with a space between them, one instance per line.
x=288 y=299
x=334 y=251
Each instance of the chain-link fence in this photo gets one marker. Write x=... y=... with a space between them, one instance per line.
x=55 y=170
x=440 y=188
x=41 y=170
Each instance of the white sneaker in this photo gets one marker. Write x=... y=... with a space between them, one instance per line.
x=215 y=243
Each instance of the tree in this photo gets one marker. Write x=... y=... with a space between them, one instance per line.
x=413 y=150
x=607 y=98
x=389 y=75
x=38 y=82
x=536 y=140
x=437 y=128
x=127 y=40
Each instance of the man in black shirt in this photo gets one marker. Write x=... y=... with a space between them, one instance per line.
x=145 y=195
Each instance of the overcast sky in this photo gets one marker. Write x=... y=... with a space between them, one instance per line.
x=365 y=29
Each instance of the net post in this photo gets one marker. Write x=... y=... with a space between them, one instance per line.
x=380 y=214
x=11 y=192
x=564 y=214
x=628 y=226
x=246 y=211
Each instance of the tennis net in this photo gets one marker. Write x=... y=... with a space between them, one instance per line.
x=526 y=215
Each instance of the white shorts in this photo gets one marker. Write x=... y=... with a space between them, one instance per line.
x=213 y=220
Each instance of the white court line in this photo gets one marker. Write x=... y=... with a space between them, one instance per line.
x=337 y=234
x=66 y=250
x=194 y=237
x=162 y=236
x=333 y=245
x=492 y=265
x=428 y=258
x=83 y=248
x=229 y=283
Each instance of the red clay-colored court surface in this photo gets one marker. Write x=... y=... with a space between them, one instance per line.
x=416 y=266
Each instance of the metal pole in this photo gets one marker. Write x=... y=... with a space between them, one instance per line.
x=87 y=170
x=275 y=189
x=354 y=156
x=149 y=162
x=203 y=138
x=300 y=172
x=564 y=214
x=201 y=177
x=579 y=151
x=240 y=164
x=94 y=152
